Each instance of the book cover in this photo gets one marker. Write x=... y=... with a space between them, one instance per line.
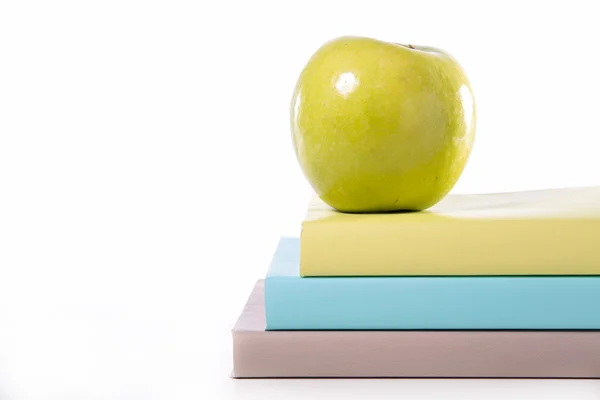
x=544 y=232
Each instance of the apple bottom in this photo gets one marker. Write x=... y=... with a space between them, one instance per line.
x=367 y=354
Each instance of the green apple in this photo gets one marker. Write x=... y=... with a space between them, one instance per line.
x=381 y=126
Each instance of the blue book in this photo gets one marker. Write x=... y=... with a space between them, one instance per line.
x=425 y=303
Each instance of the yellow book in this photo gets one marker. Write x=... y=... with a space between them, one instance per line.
x=543 y=232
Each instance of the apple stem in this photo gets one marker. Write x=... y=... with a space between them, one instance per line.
x=411 y=46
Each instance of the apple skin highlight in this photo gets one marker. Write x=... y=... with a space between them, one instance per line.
x=379 y=126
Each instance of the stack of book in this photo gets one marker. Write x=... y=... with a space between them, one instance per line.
x=491 y=285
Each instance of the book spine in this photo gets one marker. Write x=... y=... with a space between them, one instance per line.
x=451 y=247
x=432 y=303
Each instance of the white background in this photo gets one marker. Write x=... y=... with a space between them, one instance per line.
x=146 y=173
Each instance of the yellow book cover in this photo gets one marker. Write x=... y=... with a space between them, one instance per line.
x=542 y=232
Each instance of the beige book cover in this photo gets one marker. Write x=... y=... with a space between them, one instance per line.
x=542 y=232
